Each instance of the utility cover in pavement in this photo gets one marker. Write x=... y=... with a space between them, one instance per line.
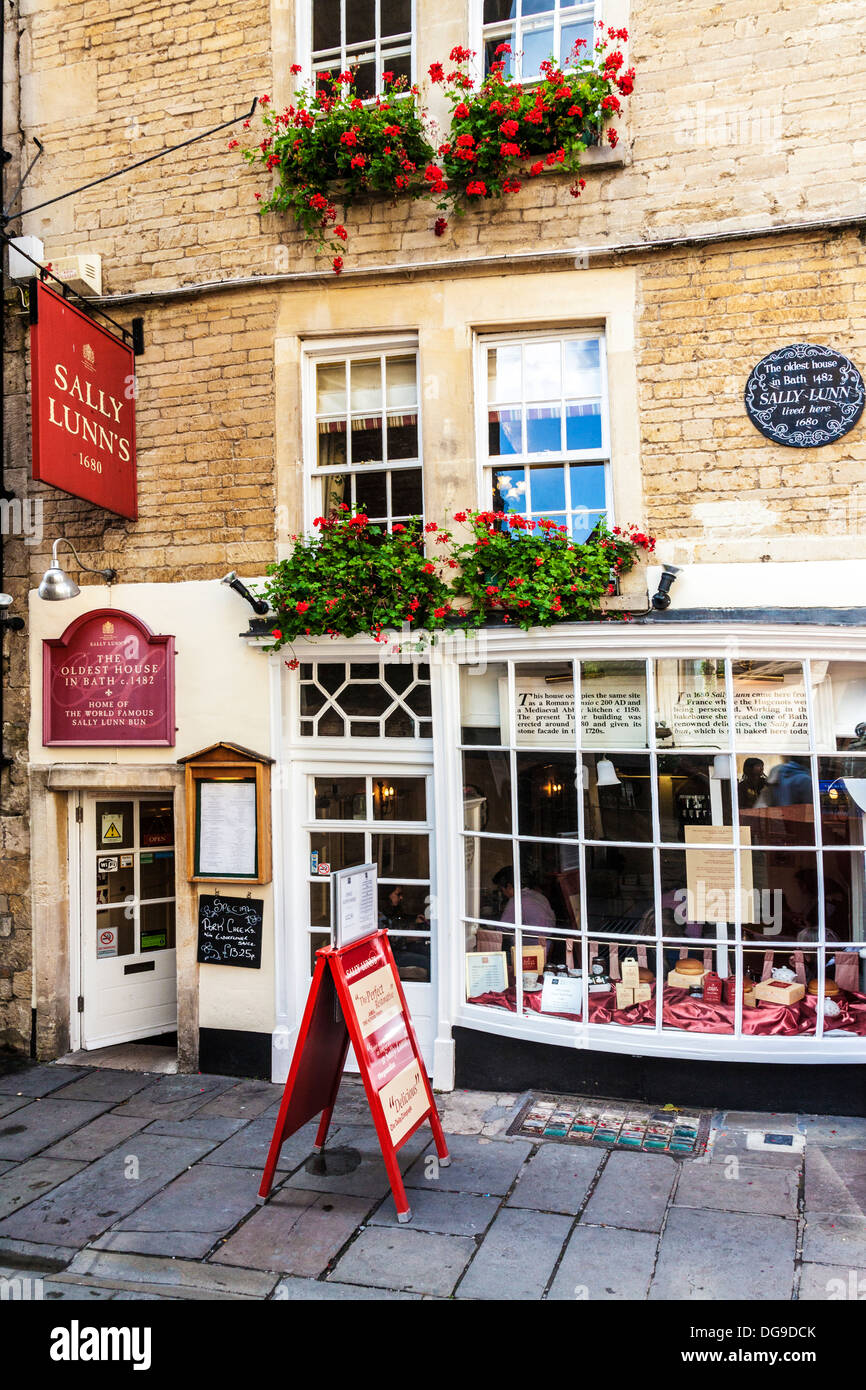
x=613 y=1125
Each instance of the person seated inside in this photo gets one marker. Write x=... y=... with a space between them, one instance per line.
x=535 y=909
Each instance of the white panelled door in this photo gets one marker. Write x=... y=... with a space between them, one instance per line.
x=127 y=914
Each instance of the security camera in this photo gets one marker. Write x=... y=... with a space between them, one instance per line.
x=662 y=596
x=258 y=605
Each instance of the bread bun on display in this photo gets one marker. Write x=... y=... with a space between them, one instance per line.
x=690 y=965
x=831 y=989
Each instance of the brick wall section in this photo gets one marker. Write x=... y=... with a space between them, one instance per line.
x=706 y=319
x=737 y=119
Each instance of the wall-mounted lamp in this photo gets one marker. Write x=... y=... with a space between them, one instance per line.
x=662 y=595
x=9 y=624
x=56 y=583
x=258 y=605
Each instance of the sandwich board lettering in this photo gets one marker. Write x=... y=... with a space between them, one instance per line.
x=356 y=997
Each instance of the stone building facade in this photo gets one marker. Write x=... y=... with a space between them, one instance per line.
x=727 y=223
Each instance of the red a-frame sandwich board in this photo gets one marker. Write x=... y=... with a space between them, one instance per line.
x=362 y=980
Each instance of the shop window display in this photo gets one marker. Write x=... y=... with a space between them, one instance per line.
x=701 y=817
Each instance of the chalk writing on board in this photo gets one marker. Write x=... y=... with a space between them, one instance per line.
x=230 y=931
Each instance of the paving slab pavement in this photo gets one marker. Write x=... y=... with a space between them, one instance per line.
x=296 y=1232
x=413 y=1261
x=517 y=1257
x=42 y=1123
x=557 y=1178
x=97 y=1138
x=601 y=1264
x=443 y=1213
x=32 y=1179
x=741 y=1186
x=725 y=1255
x=124 y=1186
x=633 y=1191
x=40 y=1080
x=836 y=1180
x=188 y=1216
x=94 y=1199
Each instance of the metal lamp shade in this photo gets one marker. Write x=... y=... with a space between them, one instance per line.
x=605 y=774
x=56 y=584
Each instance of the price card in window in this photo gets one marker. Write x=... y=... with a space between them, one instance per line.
x=561 y=994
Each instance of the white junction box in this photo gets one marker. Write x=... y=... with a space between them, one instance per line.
x=81 y=272
x=20 y=268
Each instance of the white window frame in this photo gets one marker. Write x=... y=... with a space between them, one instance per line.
x=482 y=33
x=426 y=828
x=398 y=702
x=602 y=455
x=335 y=350
x=590 y=642
x=305 y=44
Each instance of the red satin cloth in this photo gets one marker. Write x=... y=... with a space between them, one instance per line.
x=695 y=1016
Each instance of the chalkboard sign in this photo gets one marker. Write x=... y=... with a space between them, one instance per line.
x=804 y=396
x=230 y=931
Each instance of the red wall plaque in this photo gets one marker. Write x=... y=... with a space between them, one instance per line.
x=83 y=382
x=108 y=680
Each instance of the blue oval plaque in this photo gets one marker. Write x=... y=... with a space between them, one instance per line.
x=804 y=396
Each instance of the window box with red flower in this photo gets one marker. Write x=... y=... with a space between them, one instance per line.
x=504 y=133
x=329 y=148
x=528 y=571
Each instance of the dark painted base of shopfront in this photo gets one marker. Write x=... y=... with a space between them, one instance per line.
x=230 y=1052
x=488 y=1062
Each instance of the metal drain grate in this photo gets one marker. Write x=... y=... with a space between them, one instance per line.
x=613 y=1125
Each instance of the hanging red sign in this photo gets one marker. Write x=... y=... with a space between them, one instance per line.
x=356 y=997
x=83 y=383
x=108 y=680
